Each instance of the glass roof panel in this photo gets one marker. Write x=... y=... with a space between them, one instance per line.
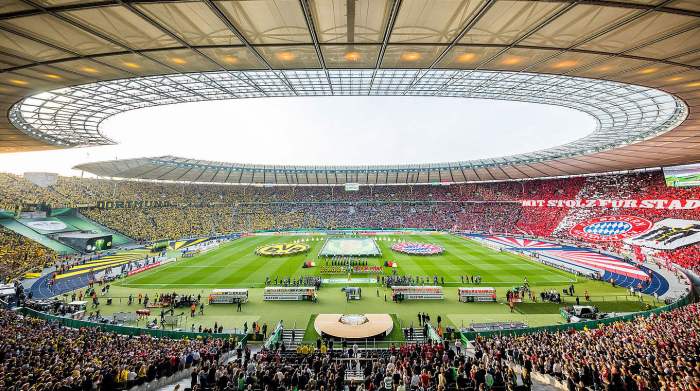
x=134 y=64
x=692 y=5
x=290 y=57
x=268 y=21
x=124 y=26
x=350 y=21
x=409 y=56
x=461 y=57
x=678 y=44
x=194 y=22
x=639 y=31
x=7 y=6
x=507 y=20
x=182 y=59
x=234 y=57
x=350 y=56
x=436 y=21
x=29 y=49
x=60 y=33
x=624 y=112
x=577 y=24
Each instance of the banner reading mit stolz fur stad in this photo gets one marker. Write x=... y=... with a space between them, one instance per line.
x=632 y=204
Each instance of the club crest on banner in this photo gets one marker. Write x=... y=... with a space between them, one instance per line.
x=417 y=248
x=610 y=228
x=282 y=249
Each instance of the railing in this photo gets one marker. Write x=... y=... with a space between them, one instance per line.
x=591 y=324
x=126 y=330
x=433 y=334
x=366 y=344
x=275 y=336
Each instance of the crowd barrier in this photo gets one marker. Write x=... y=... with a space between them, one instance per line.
x=275 y=336
x=591 y=324
x=433 y=334
x=126 y=330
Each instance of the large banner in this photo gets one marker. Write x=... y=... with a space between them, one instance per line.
x=48 y=225
x=132 y=204
x=632 y=204
x=668 y=234
x=610 y=228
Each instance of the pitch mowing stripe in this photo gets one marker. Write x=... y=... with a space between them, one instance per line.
x=236 y=264
x=500 y=262
x=287 y=266
x=167 y=276
x=246 y=263
x=223 y=258
x=547 y=273
x=261 y=284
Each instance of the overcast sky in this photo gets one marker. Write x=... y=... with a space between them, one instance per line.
x=323 y=130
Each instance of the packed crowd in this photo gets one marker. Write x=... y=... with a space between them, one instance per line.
x=38 y=355
x=70 y=191
x=661 y=352
x=177 y=222
x=633 y=186
x=425 y=366
x=19 y=255
x=201 y=210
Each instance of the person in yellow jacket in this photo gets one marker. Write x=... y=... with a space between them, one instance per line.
x=123 y=376
x=142 y=371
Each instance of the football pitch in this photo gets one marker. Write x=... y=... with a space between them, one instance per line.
x=235 y=264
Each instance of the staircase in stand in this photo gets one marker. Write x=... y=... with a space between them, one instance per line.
x=289 y=342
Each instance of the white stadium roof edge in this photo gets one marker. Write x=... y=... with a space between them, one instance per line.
x=634 y=65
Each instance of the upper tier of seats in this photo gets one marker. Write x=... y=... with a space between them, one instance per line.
x=198 y=210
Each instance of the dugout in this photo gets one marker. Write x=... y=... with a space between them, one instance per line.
x=290 y=293
x=228 y=296
x=476 y=294
x=428 y=292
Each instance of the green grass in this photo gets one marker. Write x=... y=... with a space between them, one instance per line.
x=236 y=265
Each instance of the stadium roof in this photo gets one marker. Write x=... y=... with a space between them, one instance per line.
x=633 y=65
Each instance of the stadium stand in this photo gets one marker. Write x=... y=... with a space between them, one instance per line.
x=39 y=355
x=19 y=255
x=199 y=209
x=656 y=353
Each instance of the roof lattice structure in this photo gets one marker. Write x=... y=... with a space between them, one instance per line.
x=67 y=64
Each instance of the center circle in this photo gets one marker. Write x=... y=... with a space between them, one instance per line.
x=353 y=319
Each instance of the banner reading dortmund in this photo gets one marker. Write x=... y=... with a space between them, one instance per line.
x=113 y=204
